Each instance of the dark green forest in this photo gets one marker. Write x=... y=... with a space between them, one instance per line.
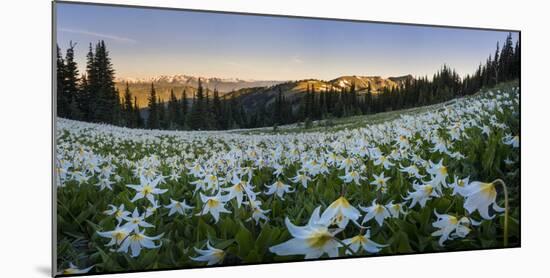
x=93 y=97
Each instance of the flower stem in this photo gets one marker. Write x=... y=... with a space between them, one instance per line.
x=506 y=209
x=345 y=246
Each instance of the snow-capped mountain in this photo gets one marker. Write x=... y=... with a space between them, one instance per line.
x=221 y=84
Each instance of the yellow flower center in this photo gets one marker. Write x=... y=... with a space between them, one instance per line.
x=219 y=254
x=238 y=187
x=343 y=202
x=119 y=236
x=319 y=239
x=359 y=239
x=212 y=203
x=379 y=209
x=136 y=237
x=428 y=189
x=147 y=189
x=443 y=170
x=453 y=220
x=488 y=189
x=69 y=271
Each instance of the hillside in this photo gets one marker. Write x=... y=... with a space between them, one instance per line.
x=141 y=88
x=252 y=92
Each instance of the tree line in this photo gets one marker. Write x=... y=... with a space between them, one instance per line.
x=93 y=97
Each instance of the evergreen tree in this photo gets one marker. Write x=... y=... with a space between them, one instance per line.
x=128 y=111
x=153 y=121
x=173 y=111
x=62 y=98
x=70 y=85
x=137 y=114
x=196 y=120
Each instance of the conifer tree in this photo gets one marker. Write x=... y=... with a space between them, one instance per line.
x=153 y=121
x=128 y=110
x=62 y=99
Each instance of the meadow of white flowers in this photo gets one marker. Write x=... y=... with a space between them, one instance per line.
x=446 y=179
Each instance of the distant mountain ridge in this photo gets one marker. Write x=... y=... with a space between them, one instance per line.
x=140 y=87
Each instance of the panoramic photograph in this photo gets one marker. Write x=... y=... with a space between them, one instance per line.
x=188 y=139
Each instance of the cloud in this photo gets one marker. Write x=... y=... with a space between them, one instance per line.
x=99 y=35
x=297 y=60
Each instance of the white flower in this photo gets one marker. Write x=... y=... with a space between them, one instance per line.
x=439 y=173
x=211 y=255
x=213 y=205
x=380 y=181
x=135 y=221
x=151 y=209
x=72 y=269
x=459 y=185
x=421 y=195
x=257 y=212
x=212 y=181
x=451 y=227
x=511 y=140
x=479 y=196
x=137 y=241
x=412 y=171
x=301 y=178
x=377 y=211
x=384 y=161
x=176 y=206
x=352 y=176
x=119 y=212
x=238 y=189
x=278 y=188
x=347 y=163
x=395 y=209
x=104 y=183
x=147 y=189
x=312 y=240
x=340 y=212
x=364 y=242
x=117 y=235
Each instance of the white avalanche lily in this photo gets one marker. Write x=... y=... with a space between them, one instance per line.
x=421 y=195
x=211 y=255
x=119 y=212
x=135 y=221
x=380 y=181
x=278 y=188
x=459 y=186
x=451 y=227
x=312 y=240
x=147 y=189
x=137 y=241
x=439 y=173
x=72 y=269
x=340 y=212
x=257 y=212
x=364 y=242
x=302 y=179
x=377 y=211
x=176 y=206
x=117 y=235
x=238 y=189
x=511 y=140
x=395 y=209
x=213 y=205
x=479 y=196
x=352 y=176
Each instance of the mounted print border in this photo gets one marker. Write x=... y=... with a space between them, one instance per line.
x=190 y=138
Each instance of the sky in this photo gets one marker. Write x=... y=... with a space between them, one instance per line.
x=149 y=42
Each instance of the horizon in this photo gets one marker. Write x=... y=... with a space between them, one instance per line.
x=260 y=48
